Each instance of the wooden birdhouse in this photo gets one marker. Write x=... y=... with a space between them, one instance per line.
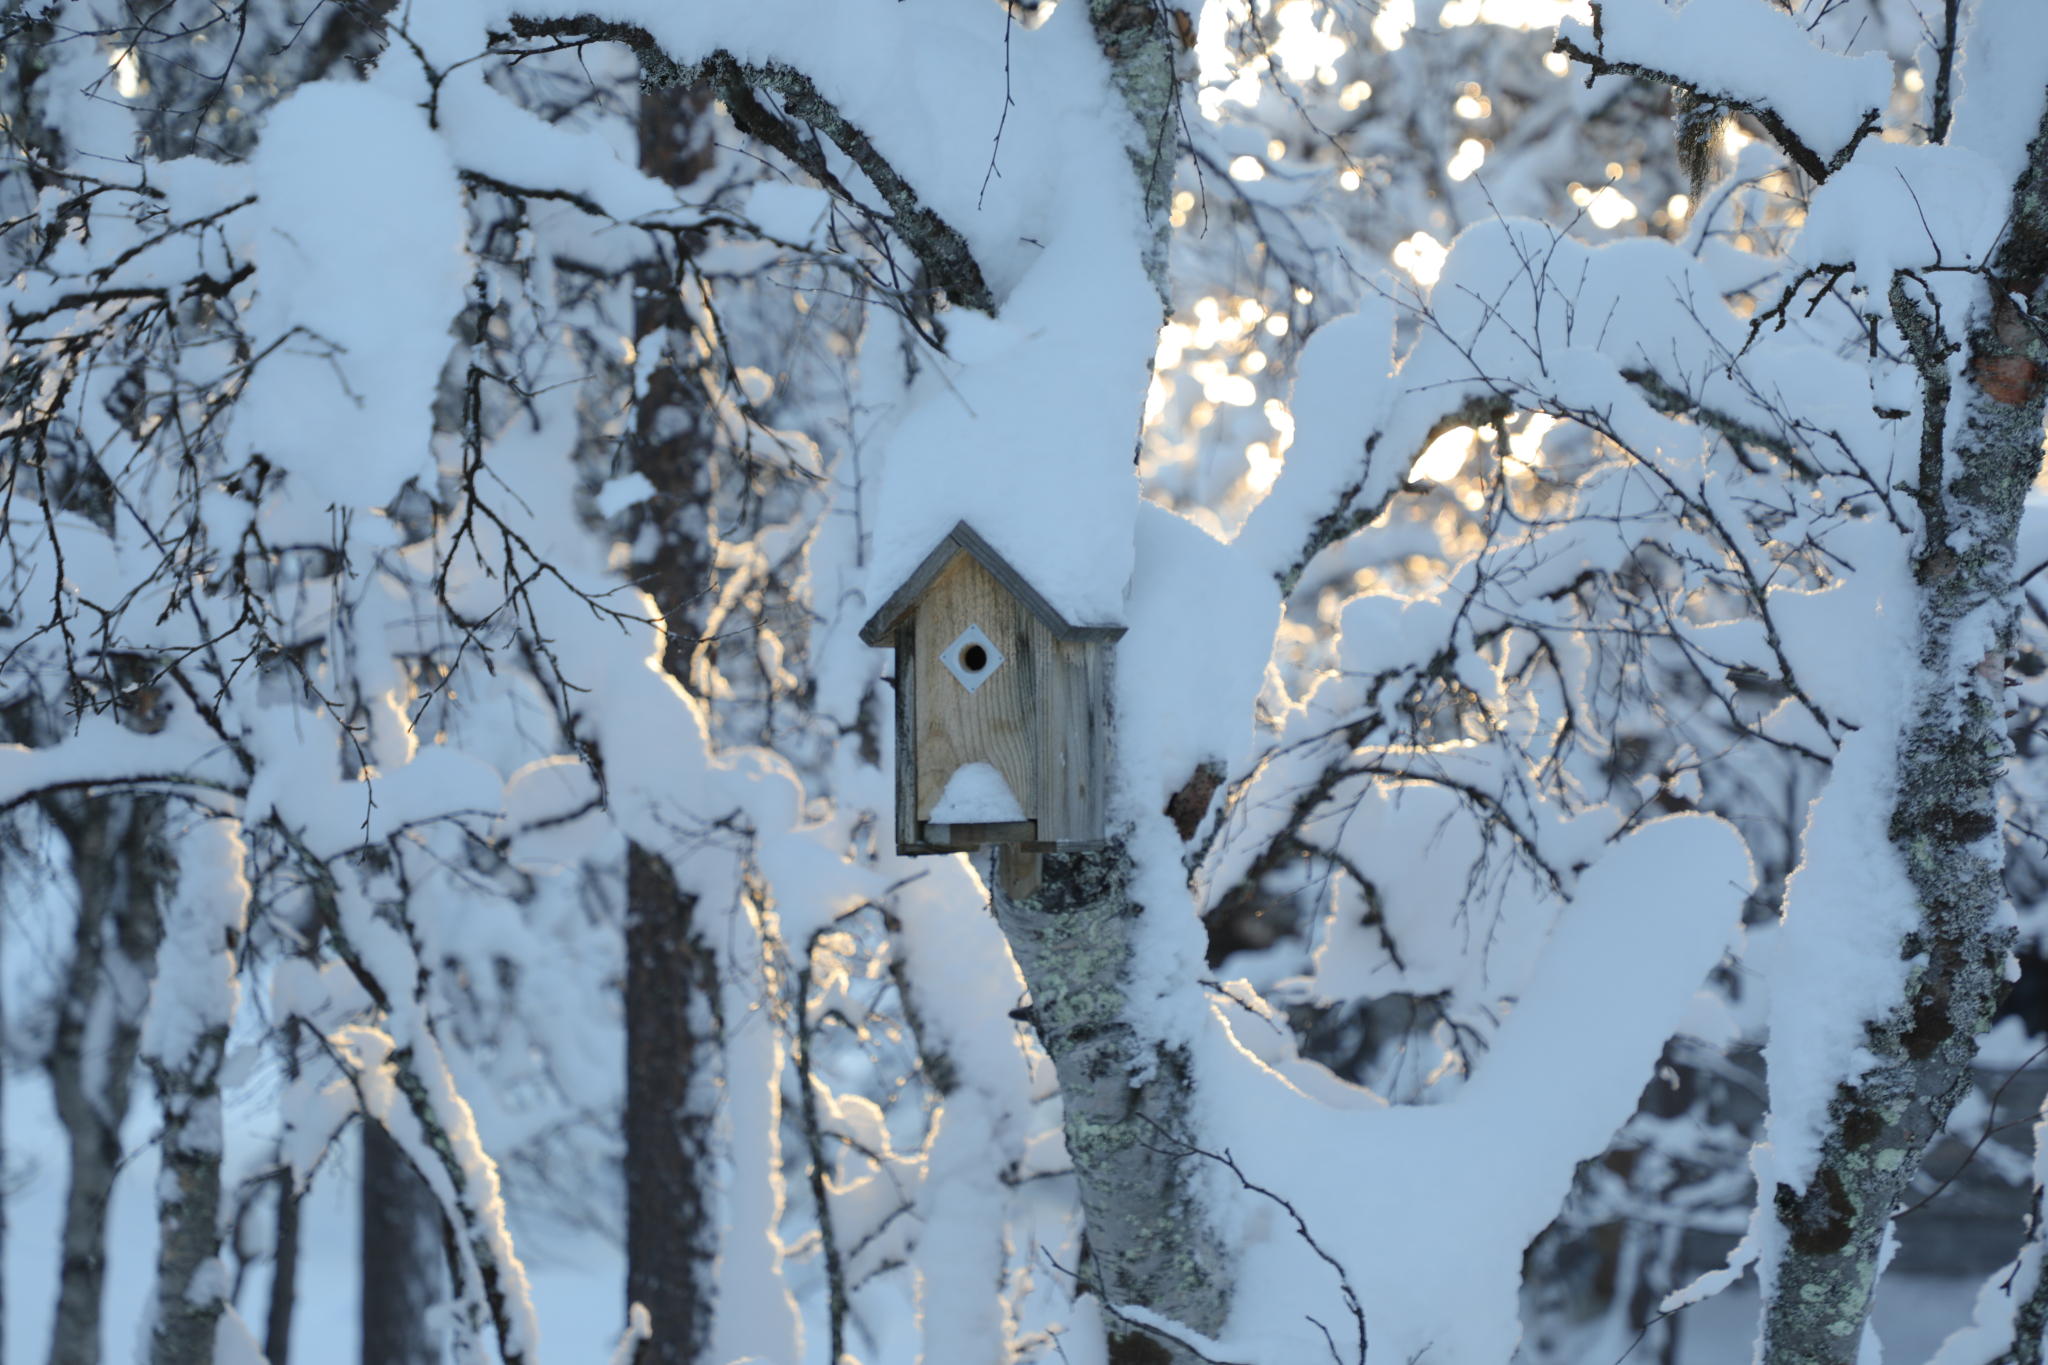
x=1001 y=708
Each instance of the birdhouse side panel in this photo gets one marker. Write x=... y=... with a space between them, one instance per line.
x=908 y=838
x=1072 y=685
x=967 y=714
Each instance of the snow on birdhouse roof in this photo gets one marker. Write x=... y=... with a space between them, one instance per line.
x=964 y=539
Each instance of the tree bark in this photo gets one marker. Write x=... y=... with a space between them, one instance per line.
x=284 y=1278
x=403 y=1269
x=671 y=985
x=671 y=1037
x=117 y=866
x=192 y=1008
x=1945 y=823
x=1148 y=1243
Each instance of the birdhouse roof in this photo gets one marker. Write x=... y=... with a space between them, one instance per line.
x=964 y=539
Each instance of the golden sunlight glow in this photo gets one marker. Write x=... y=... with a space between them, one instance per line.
x=1219 y=385
x=1276 y=149
x=1174 y=338
x=1155 y=399
x=1679 y=206
x=1471 y=156
x=1395 y=18
x=1734 y=139
x=1445 y=457
x=1422 y=256
x=1526 y=445
x=1212 y=326
x=1282 y=421
x=1304 y=294
x=1556 y=63
x=1254 y=361
x=1473 y=106
x=1353 y=95
x=1304 y=47
x=1913 y=80
x=1264 y=466
x=1277 y=324
x=1247 y=168
x=127 y=73
x=1250 y=311
x=1349 y=179
x=1608 y=208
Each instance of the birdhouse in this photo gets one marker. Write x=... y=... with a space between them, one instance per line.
x=1001 y=708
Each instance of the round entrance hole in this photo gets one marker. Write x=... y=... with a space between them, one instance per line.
x=974 y=658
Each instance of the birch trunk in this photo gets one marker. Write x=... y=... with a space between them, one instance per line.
x=116 y=865
x=1973 y=481
x=1070 y=920
x=1149 y=1242
x=185 y=1038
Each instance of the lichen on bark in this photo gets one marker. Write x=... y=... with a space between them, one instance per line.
x=1126 y=1100
x=1141 y=48
x=1974 y=477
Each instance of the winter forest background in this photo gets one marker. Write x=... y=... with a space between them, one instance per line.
x=1578 y=866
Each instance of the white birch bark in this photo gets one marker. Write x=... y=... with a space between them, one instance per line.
x=1980 y=452
x=184 y=1040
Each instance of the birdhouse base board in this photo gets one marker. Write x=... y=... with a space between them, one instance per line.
x=976 y=836
x=1021 y=835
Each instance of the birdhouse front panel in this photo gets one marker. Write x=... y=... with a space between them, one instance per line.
x=1002 y=708
x=975 y=699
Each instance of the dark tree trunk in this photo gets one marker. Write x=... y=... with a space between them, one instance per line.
x=671 y=1240
x=403 y=1270
x=284 y=1279
x=118 y=869
x=671 y=981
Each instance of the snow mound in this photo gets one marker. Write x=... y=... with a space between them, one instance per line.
x=977 y=795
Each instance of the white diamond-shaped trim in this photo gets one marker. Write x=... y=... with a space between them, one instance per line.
x=972 y=678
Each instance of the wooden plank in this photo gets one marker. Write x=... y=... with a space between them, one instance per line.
x=993 y=724
x=1074 y=688
x=906 y=733
x=1101 y=667
x=963 y=838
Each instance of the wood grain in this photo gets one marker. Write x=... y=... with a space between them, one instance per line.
x=994 y=724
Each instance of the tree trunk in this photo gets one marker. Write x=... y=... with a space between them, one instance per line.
x=1945 y=822
x=403 y=1270
x=1149 y=1242
x=671 y=1032
x=117 y=867
x=671 y=983
x=284 y=1278
x=191 y=1009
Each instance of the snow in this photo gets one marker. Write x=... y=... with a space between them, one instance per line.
x=1614 y=980
x=1999 y=76
x=795 y=214
x=1748 y=51
x=1905 y=208
x=359 y=216
x=976 y=794
x=618 y=494
x=1573 y=939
